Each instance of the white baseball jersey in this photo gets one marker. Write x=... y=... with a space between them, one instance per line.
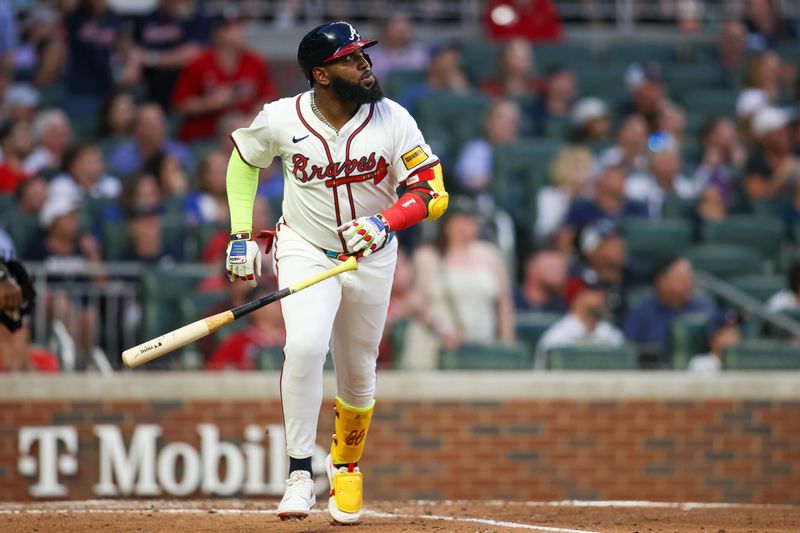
x=333 y=178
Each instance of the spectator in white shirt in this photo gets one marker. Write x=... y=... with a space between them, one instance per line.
x=630 y=146
x=570 y=173
x=584 y=324
x=54 y=134
x=786 y=299
x=722 y=334
x=84 y=174
x=591 y=121
x=664 y=177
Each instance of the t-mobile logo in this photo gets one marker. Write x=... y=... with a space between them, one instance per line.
x=50 y=462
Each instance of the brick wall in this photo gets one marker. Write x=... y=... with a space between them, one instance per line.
x=695 y=450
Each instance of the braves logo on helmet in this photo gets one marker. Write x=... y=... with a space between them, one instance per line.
x=328 y=42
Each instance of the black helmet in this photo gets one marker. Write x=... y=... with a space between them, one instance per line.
x=328 y=42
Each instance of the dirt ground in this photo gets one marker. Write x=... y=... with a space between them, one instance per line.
x=477 y=517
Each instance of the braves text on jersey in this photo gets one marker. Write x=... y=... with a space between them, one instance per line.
x=332 y=178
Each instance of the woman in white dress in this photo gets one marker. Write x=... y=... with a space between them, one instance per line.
x=462 y=291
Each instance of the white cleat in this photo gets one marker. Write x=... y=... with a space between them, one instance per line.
x=346 y=483
x=299 y=498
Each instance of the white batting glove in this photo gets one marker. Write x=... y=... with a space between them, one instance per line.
x=365 y=234
x=243 y=261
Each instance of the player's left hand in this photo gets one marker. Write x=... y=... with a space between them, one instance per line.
x=364 y=235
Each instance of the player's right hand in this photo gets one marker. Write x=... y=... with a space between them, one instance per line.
x=243 y=261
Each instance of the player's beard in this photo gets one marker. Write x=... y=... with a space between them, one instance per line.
x=355 y=93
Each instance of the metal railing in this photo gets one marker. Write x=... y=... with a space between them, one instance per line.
x=87 y=312
x=728 y=292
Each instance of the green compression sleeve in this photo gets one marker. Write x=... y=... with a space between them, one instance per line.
x=242 y=182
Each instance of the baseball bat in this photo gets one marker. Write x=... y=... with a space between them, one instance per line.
x=154 y=348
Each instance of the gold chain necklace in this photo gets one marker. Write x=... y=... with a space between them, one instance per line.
x=319 y=115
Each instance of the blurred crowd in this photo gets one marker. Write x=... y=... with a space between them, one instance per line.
x=114 y=141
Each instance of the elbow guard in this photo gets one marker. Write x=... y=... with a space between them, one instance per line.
x=413 y=207
x=439 y=199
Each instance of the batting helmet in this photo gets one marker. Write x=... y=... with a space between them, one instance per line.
x=328 y=42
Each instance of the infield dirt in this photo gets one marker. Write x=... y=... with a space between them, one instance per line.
x=245 y=516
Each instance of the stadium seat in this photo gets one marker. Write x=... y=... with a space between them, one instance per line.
x=692 y=152
x=173 y=235
x=771 y=207
x=450 y=120
x=531 y=326
x=174 y=205
x=704 y=102
x=205 y=232
x=625 y=53
x=788 y=51
x=698 y=52
x=479 y=60
x=688 y=336
x=592 y=357
x=762 y=355
x=196 y=305
x=115 y=240
x=636 y=295
x=526 y=103
x=24 y=230
x=200 y=149
x=518 y=172
x=572 y=55
x=400 y=80
x=557 y=129
x=162 y=290
x=760 y=287
x=682 y=79
x=779 y=333
x=763 y=234
x=52 y=96
x=486 y=357
x=84 y=125
x=7 y=201
x=100 y=208
x=676 y=207
x=604 y=81
x=270 y=359
x=650 y=241
x=397 y=339
x=725 y=260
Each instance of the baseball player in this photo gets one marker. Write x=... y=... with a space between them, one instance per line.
x=345 y=149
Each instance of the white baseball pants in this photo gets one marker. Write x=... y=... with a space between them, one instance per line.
x=346 y=313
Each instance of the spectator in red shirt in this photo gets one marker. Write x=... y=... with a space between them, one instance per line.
x=240 y=350
x=16 y=142
x=17 y=354
x=534 y=20
x=225 y=78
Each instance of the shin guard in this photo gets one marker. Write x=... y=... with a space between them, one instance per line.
x=351 y=425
